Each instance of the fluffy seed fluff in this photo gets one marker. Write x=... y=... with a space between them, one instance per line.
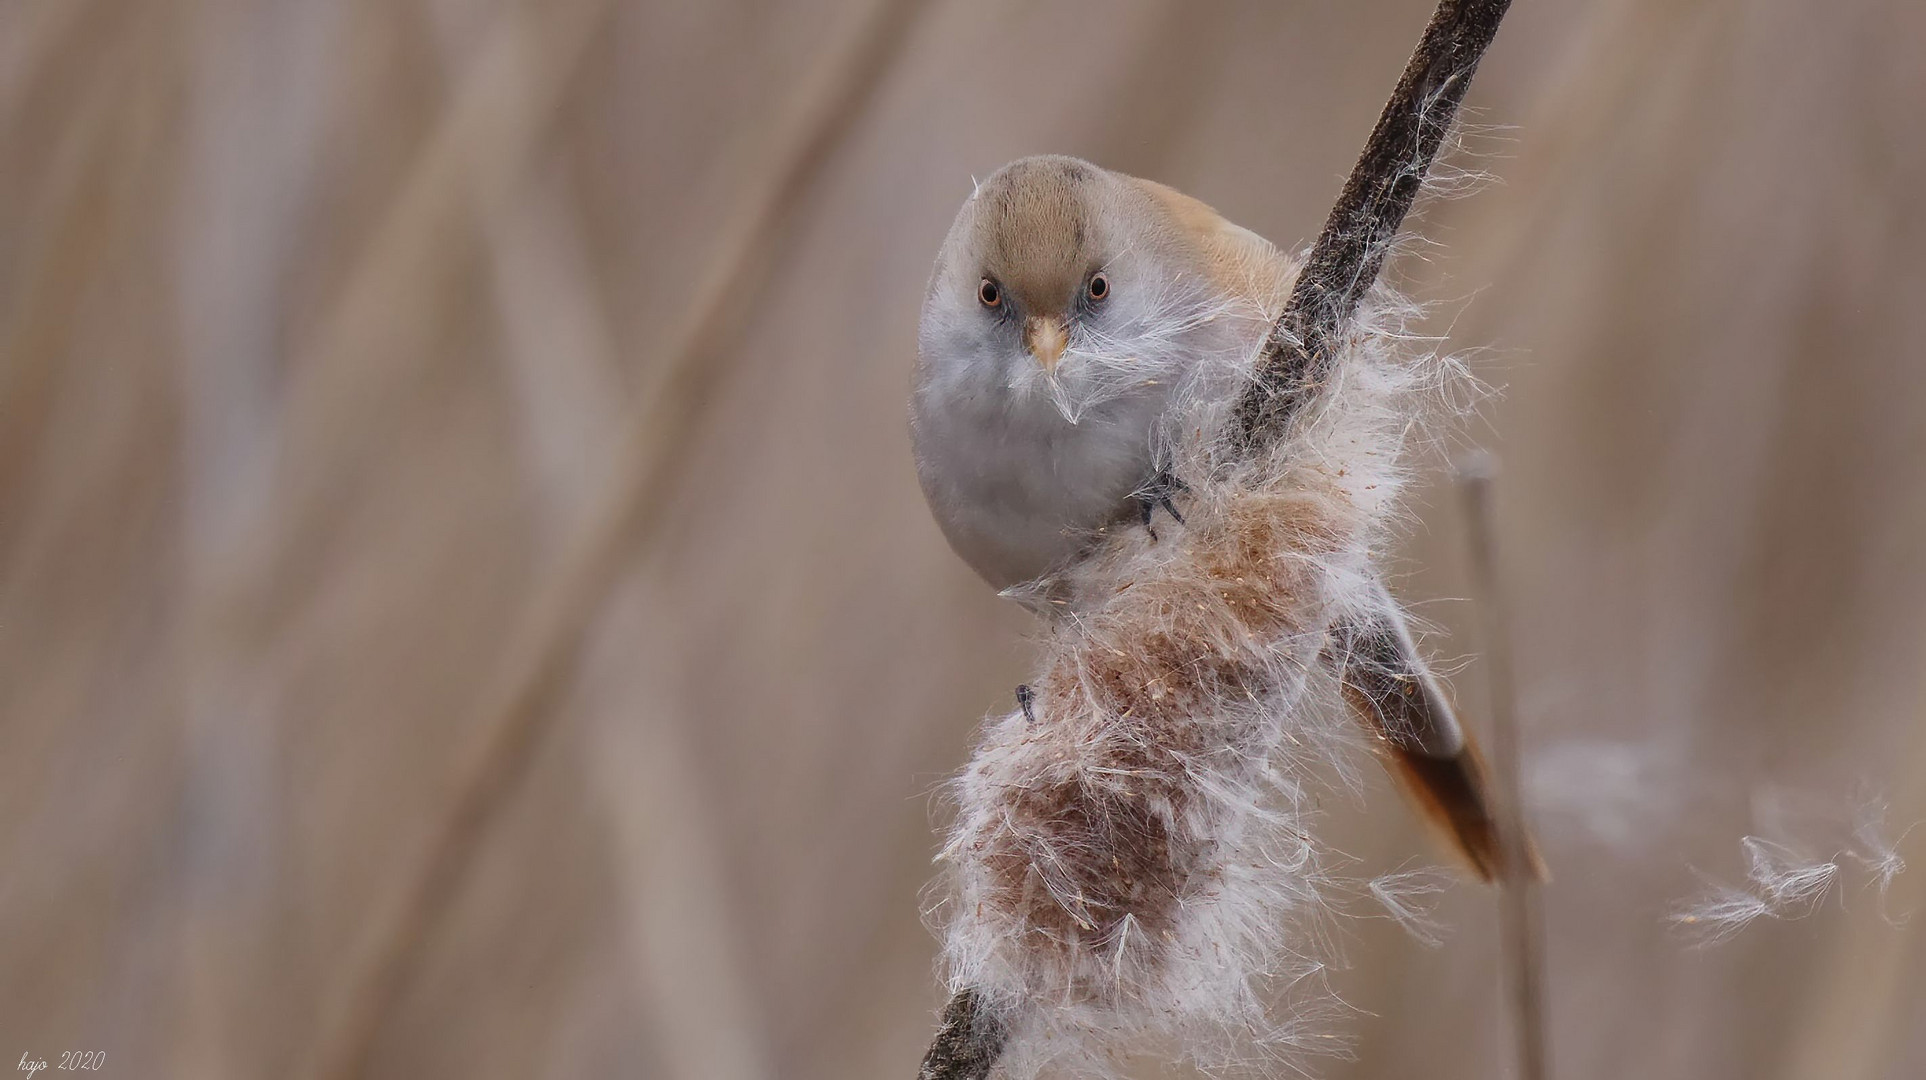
x=1787 y=881
x=1135 y=871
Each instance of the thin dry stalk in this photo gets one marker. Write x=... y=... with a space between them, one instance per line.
x=520 y=700
x=1521 y=920
x=967 y=1045
x=1342 y=267
x=1349 y=254
x=472 y=131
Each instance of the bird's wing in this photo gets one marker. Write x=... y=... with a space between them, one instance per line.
x=1385 y=680
x=1432 y=755
x=1238 y=261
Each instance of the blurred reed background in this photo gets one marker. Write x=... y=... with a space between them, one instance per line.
x=466 y=609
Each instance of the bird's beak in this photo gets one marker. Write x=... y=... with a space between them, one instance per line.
x=1046 y=338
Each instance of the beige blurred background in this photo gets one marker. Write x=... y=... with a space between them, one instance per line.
x=466 y=609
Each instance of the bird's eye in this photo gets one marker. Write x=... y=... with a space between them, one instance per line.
x=989 y=293
x=1099 y=286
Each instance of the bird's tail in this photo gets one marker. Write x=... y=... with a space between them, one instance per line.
x=1434 y=758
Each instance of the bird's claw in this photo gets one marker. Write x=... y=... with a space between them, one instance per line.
x=1158 y=493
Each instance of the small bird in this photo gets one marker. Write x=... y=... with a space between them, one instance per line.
x=1068 y=305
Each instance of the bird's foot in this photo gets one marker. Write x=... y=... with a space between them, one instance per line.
x=1027 y=700
x=1158 y=492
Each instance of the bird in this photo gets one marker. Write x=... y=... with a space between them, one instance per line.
x=1068 y=306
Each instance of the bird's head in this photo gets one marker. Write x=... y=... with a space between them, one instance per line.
x=1063 y=279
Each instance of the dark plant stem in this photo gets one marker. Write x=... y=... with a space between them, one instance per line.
x=1349 y=253
x=521 y=698
x=1521 y=921
x=1342 y=267
x=968 y=1043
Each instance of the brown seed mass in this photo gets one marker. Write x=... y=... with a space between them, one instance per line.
x=1112 y=834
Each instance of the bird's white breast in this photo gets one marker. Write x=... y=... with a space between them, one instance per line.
x=1017 y=488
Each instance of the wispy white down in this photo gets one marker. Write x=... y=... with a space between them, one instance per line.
x=1789 y=880
x=1138 y=870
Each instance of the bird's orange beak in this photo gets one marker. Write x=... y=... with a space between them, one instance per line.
x=1046 y=338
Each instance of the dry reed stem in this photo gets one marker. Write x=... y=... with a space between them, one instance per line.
x=1520 y=918
x=1350 y=251
x=32 y=37
x=487 y=131
x=559 y=340
x=1342 y=268
x=86 y=214
x=966 y=1045
x=519 y=699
